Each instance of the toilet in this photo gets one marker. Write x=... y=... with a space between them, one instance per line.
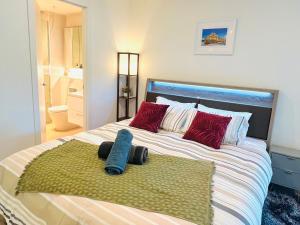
x=59 y=117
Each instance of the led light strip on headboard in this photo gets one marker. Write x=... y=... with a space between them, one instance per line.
x=260 y=102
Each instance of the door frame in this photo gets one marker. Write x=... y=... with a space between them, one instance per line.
x=34 y=66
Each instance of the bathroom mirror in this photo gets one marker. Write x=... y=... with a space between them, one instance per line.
x=73 y=47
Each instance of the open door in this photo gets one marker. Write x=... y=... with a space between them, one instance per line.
x=41 y=83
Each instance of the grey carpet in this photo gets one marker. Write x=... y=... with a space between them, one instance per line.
x=282 y=207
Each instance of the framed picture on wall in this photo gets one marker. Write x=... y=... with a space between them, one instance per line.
x=215 y=37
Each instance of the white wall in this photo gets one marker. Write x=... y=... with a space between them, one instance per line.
x=266 y=50
x=266 y=56
x=16 y=104
x=106 y=19
x=17 y=125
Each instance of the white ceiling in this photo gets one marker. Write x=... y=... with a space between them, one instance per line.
x=58 y=6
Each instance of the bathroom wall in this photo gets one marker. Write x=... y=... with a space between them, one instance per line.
x=56 y=24
x=56 y=71
x=74 y=20
x=56 y=37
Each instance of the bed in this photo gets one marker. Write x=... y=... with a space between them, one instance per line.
x=240 y=183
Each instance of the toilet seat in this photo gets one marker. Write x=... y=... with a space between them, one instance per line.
x=59 y=117
x=59 y=108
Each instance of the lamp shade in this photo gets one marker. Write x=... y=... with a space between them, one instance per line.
x=128 y=63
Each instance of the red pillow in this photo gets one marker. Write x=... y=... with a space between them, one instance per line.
x=149 y=116
x=208 y=129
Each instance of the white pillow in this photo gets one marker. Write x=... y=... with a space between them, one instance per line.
x=189 y=119
x=221 y=112
x=237 y=128
x=176 y=114
x=165 y=101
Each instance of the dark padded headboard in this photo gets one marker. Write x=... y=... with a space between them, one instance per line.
x=260 y=102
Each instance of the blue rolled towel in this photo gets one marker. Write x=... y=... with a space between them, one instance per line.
x=137 y=155
x=118 y=156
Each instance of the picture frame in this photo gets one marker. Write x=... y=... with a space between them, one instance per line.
x=215 y=37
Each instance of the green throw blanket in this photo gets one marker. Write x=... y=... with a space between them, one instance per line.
x=165 y=184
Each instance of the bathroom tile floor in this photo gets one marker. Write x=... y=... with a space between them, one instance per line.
x=52 y=134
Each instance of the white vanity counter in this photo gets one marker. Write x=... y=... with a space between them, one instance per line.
x=75 y=108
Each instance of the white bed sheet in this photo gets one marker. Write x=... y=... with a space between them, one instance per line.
x=240 y=182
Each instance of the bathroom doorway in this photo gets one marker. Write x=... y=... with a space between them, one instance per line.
x=60 y=56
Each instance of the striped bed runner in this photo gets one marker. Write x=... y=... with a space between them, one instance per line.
x=240 y=183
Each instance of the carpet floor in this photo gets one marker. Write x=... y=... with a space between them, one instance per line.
x=282 y=207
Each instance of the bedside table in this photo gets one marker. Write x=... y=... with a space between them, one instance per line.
x=286 y=166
